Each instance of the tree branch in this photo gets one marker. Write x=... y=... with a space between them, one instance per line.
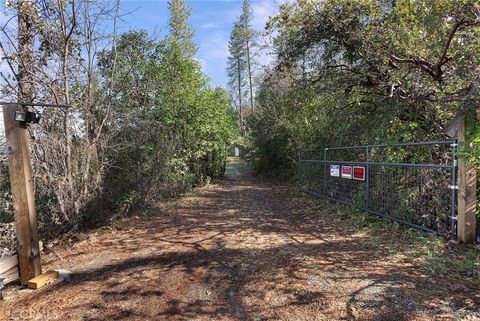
x=434 y=70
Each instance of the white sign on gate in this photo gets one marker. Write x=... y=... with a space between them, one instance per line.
x=347 y=172
x=335 y=170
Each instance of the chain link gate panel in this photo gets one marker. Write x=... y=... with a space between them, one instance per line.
x=411 y=183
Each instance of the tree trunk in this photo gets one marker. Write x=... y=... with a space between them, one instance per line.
x=68 y=135
x=240 y=96
x=68 y=30
x=250 y=75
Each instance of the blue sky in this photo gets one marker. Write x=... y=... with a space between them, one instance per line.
x=211 y=20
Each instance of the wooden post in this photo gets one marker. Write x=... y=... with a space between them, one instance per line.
x=467 y=194
x=21 y=181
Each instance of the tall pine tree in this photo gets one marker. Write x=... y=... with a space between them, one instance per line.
x=181 y=78
x=181 y=34
x=236 y=67
x=248 y=35
x=240 y=67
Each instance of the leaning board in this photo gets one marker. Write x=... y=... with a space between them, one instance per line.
x=9 y=268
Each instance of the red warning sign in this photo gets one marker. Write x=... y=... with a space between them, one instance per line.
x=359 y=173
x=347 y=172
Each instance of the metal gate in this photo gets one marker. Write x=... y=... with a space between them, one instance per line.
x=410 y=183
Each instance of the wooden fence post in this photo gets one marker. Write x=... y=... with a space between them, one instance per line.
x=467 y=194
x=21 y=181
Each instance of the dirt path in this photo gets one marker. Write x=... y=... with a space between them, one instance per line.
x=239 y=250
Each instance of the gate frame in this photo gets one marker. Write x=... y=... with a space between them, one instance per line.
x=453 y=179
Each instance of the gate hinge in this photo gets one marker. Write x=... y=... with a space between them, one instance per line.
x=453 y=186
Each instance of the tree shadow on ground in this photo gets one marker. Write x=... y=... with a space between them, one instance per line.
x=245 y=251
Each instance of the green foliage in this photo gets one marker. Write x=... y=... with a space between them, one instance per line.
x=143 y=124
x=471 y=150
x=471 y=153
x=175 y=129
x=362 y=72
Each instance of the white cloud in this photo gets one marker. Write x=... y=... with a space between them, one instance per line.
x=262 y=11
x=213 y=53
x=209 y=25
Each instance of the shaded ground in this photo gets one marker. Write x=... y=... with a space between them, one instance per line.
x=240 y=250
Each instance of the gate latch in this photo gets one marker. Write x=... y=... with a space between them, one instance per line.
x=453 y=186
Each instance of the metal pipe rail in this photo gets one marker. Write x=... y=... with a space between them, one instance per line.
x=433 y=142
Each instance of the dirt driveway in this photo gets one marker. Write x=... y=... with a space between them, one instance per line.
x=240 y=250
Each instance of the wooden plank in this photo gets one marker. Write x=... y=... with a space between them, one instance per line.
x=7 y=263
x=43 y=279
x=467 y=196
x=20 y=169
x=9 y=269
x=10 y=275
